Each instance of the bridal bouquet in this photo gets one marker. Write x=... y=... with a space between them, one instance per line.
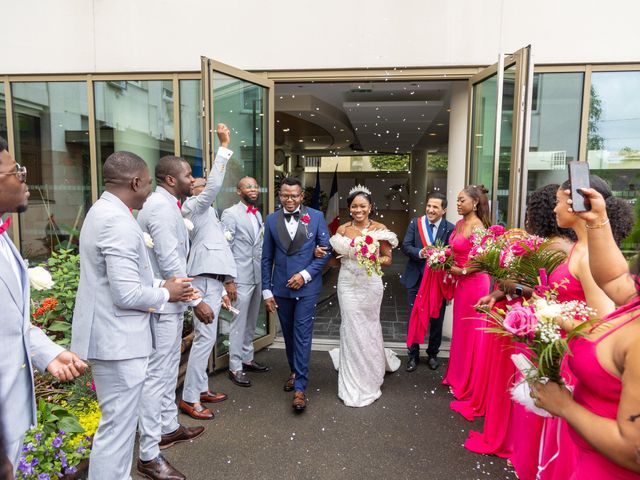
x=365 y=249
x=439 y=257
x=535 y=325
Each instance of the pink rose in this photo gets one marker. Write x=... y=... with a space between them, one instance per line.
x=521 y=249
x=447 y=251
x=353 y=242
x=305 y=218
x=497 y=230
x=441 y=258
x=520 y=321
x=364 y=250
x=368 y=240
x=372 y=258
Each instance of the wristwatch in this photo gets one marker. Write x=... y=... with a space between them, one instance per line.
x=518 y=290
x=464 y=271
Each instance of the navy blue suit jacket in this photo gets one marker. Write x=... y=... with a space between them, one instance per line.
x=283 y=257
x=411 y=246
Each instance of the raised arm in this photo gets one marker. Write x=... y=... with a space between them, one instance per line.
x=608 y=266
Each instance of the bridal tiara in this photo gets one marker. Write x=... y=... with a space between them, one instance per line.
x=360 y=188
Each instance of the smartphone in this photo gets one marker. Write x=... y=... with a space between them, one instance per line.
x=579 y=178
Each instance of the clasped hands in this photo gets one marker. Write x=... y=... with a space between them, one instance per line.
x=180 y=290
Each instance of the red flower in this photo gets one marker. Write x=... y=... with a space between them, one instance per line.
x=373 y=258
x=305 y=218
x=368 y=240
x=364 y=250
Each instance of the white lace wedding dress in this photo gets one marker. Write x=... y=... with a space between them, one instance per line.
x=362 y=357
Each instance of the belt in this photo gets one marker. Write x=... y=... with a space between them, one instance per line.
x=214 y=276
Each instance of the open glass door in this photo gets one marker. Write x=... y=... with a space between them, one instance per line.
x=244 y=102
x=500 y=109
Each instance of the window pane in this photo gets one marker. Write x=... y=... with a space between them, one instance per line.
x=555 y=127
x=3 y=113
x=51 y=127
x=134 y=115
x=191 y=124
x=506 y=140
x=483 y=131
x=240 y=105
x=614 y=130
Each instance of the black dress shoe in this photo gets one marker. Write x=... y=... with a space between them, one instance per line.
x=433 y=363
x=412 y=364
x=159 y=469
x=254 y=366
x=240 y=378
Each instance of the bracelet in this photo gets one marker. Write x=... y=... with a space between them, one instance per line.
x=596 y=226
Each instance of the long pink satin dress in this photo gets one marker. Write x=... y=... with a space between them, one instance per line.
x=597 y=390
x=527 y=428
x=465 y=358
x=496 y=399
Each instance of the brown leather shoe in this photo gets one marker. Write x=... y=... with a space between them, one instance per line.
x=299 y=401
x=182 y=434
x=159 y=469
x=212 y=397
x=198 y=412
x=288 y=385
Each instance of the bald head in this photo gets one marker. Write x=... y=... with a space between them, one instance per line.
x=122 y=167
x=248 y=189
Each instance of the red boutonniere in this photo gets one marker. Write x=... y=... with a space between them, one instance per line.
x=305 y=219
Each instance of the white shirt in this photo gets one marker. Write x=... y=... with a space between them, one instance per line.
x=5 y=250
x=427 y=225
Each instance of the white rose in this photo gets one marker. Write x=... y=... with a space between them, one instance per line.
x=227 y=235
x=550 y=311
x=39 y=278
x=148 y=241
x=189 y=224
x=372 y=248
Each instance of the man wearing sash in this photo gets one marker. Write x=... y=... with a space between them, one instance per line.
x=423 y=232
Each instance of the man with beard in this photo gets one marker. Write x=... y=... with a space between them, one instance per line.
x=161 y=219
x=22 y=343
x=244 y=227
x=213 y=269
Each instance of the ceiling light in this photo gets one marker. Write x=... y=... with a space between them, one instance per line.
x=286 y=129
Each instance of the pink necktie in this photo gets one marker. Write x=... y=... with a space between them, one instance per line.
x=179 y=203
x=5 y=225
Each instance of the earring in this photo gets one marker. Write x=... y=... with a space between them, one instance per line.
x=475 y=207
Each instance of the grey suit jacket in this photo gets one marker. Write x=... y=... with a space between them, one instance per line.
x=20 y=342
x=246 y=245
x=160 y=217
x=116 y=292
x=210 y=252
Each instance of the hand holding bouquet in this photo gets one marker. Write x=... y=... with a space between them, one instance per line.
x=439 y=256
x=366 y=250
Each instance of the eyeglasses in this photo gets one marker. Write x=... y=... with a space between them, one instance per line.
x=289 y=197
x=20 y=173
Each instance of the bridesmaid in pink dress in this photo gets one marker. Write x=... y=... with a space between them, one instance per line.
x=466 y=338
x=604 y=411
x=500 y=410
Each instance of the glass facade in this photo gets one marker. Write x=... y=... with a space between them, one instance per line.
x=556 y=110
x=191 y=124
x=242 y=106
x=613 y=142
x=134 y=115
x=483 y=132
x=3 y=113
x=51 y=139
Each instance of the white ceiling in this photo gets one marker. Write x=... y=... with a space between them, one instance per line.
x=363 y=117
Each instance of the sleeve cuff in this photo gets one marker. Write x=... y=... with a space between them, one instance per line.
x=266 y=294
x=165 y=294
x=306 y=276
x=224 y=153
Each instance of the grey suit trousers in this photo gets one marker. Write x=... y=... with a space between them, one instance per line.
x=119 y=389
x=158 y=409
x=196 y=379
x=243 y=326
x=14 y=449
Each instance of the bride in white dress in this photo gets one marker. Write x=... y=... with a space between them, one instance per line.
x=362 y=357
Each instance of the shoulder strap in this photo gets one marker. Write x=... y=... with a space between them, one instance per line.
x=423 y=234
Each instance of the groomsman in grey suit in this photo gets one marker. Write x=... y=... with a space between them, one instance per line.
x=23 y=345
x=244 y=224
x=213 y=268
x=162 y=220
x=116 y=294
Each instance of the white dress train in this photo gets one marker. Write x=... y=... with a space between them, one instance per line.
x=362 y=357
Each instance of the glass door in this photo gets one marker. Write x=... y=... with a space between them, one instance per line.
x=500 y=109
x=244 y=102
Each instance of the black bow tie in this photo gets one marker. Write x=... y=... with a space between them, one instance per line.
x=296 y=215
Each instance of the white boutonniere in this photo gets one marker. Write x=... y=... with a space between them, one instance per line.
x=148 y=241
x=189 y=224
x=40 y=278
x=228 y=235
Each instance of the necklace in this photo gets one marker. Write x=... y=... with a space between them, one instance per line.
x=360 y=229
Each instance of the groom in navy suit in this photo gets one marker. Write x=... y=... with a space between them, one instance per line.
x=292 y=278
x=424 y=231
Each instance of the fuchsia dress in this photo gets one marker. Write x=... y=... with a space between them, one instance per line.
x=597 y=390
x=526 y=427
x=466 y=338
